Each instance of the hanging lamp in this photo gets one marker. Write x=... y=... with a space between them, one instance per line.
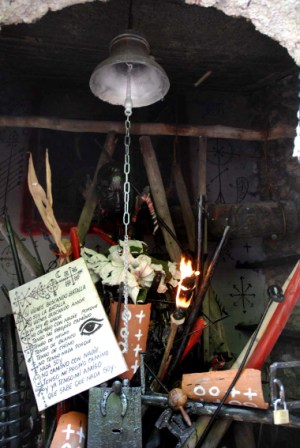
x=148 y=81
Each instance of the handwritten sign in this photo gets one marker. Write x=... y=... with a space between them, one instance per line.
x=67 y=340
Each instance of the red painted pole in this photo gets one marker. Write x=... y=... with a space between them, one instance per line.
x=75 y=243
x=277 y=323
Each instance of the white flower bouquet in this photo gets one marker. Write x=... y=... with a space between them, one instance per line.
x=110 y=269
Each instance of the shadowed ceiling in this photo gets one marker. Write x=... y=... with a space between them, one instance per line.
x=62 y=49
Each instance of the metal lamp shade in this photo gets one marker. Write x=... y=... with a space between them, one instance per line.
x=148 y=81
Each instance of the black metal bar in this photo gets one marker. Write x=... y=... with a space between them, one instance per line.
x=12 y=243
x=200 y=233
x=11 y=375
x=5 y=291
x=241 y=414
x=118 y=312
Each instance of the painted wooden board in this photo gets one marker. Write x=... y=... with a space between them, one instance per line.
x=66 y=337
x=138 y=327
x=71 y=431
x=212 y=386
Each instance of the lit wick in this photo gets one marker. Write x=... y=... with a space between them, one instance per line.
x=183 y=300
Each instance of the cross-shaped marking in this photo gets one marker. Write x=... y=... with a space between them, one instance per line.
x=136 y=350
x=139 y=335
x=234 y=392
x=250 y=394
x=247 y=247
x=135 y=366
x=81 y=434
x=68 y=431
x=140 y=316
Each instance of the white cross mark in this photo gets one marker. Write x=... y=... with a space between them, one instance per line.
x=250 y=394
x=136 y=350
x=140 y=316
x=68 y=431
x=81 y=434
x=234 y=392
x=135 y=366
x=139 y=335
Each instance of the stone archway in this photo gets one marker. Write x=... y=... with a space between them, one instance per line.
x=278 y=20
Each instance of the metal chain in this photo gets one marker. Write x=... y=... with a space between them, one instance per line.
x=126 y=214
x=296 y=152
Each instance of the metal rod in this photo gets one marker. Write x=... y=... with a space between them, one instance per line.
x=241 y=414
x=200 y=241
x=11 y=374
x=12 y=243
x=118 y=313
x=5 y=291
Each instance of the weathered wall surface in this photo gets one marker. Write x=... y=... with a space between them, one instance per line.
x=279 y=20
x=28 y=11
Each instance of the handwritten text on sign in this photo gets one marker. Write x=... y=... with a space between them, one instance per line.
x=66 y=338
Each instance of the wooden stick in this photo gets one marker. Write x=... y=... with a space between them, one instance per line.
x=103 y=127
x=91 y=200
x=159 y=196
x=185 y=204
x=203 y=78
x=174 y=327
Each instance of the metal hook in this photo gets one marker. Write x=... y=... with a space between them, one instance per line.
x=280 y=389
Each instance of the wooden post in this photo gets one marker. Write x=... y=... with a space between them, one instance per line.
x=159 y=196
x=244 y=435
x=185 y=204
x=91 y=200
x=202 y=156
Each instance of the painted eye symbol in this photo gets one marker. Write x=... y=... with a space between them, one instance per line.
x=90 y=326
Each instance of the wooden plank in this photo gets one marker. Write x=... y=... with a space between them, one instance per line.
x=103 y=127
x=185 y=204
x=159 y=196
x=89 y=207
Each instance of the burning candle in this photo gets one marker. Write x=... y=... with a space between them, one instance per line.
x=184 y=294
x=186 y=286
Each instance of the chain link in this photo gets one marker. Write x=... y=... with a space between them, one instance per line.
x=126 y=216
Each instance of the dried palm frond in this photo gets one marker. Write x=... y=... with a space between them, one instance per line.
x=44 y=202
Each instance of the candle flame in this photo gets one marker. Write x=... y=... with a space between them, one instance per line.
x=184 y=295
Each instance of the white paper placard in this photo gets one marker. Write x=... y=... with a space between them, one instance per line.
x=66 y=337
